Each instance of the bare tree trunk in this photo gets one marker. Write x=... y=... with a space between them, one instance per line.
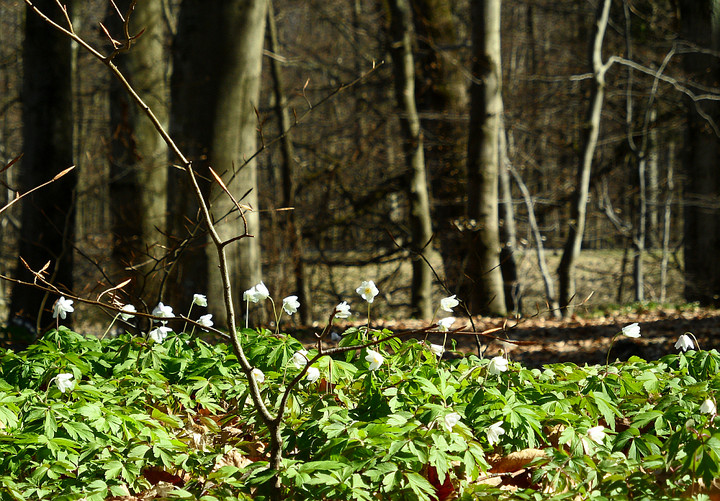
x=539 y=247
x=48 y=216
x=215 y=85
x=639 y=237
x=667 y=212
x=138 y=155
x=573 y=244
x=652 y=189
x=486 y=294
x=701 y=26
x=508 y=236
x=420 y=221
x=441 y=95
x=293 y=233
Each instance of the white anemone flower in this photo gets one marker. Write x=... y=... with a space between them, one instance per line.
x=596 y=434
x=256 y=293
x=449 y=303
x=444 y=324
x=494 y=431
x=708 y=407
x=451 y=420
x=300 y=358
x=437 y=350
x=368 y=291
x=163 y=311
x=291 y=304
x=129 y=312
x=206 y=320
x=158 y=334
x=200 y=299
x=375 y=359
x=342 y=310
x=632 y=330
x=685 y=343
x=62 y=307
x=497 y=365
x=313 y=374
x=65 y=382
x=259 y=375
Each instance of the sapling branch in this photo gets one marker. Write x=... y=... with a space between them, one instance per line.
x=23 y=195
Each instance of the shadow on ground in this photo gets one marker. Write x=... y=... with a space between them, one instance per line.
x=578 y=340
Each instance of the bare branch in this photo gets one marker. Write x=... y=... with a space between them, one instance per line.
x=19 y=197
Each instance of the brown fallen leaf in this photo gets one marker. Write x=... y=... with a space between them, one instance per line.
x=516 y=460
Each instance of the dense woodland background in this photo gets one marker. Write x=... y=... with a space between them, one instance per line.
x=310 y=104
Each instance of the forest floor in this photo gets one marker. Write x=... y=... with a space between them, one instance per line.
x=603 y=307
x=578 y=339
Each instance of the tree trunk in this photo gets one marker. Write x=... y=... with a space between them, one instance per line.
x=485 y=293
x=420 y=221
x=640 y=232
x=48 y=215
x=653 y=186
x=573 y=244
x=138 y=155
x=667 y=213
x=215 y=86
x=294 y=236
x=441 y=96
x=508 y=237
x=539 y=247
x=701 y=26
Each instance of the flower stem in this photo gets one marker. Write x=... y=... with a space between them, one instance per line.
x=109 y=326
x=607 y=360
x=367 y=329
x=188 y=315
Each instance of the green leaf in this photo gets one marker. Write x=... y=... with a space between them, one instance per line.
x=606 y=408
x=49 y=425
x=78 y=430
x=427 y=386
x=167 y=419
x=419 y=485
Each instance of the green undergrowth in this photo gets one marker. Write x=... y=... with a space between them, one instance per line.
x=174 y=420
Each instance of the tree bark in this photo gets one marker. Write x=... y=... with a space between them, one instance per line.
x=287 y=168
x=508 y=234
x=667 y=214
x=138 y=155
x=578 y=210
x=48 y=216
x=700 y=24
x=441 y=96
x=485 y=293
x=419 y=217
x=214 y=87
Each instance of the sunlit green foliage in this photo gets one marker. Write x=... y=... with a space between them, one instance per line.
x=181 y=408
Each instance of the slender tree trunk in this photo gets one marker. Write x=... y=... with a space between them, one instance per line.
x=48 y=216
x=652 y=189
x=420 y=222
x=539 y=247
x=293 y=233
x=700 y=24
x=138 y=155
x=591 y=131
x=486 y=294
x=667 y=213
x=215 y=86
x=508 y=237
x=640 y=232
